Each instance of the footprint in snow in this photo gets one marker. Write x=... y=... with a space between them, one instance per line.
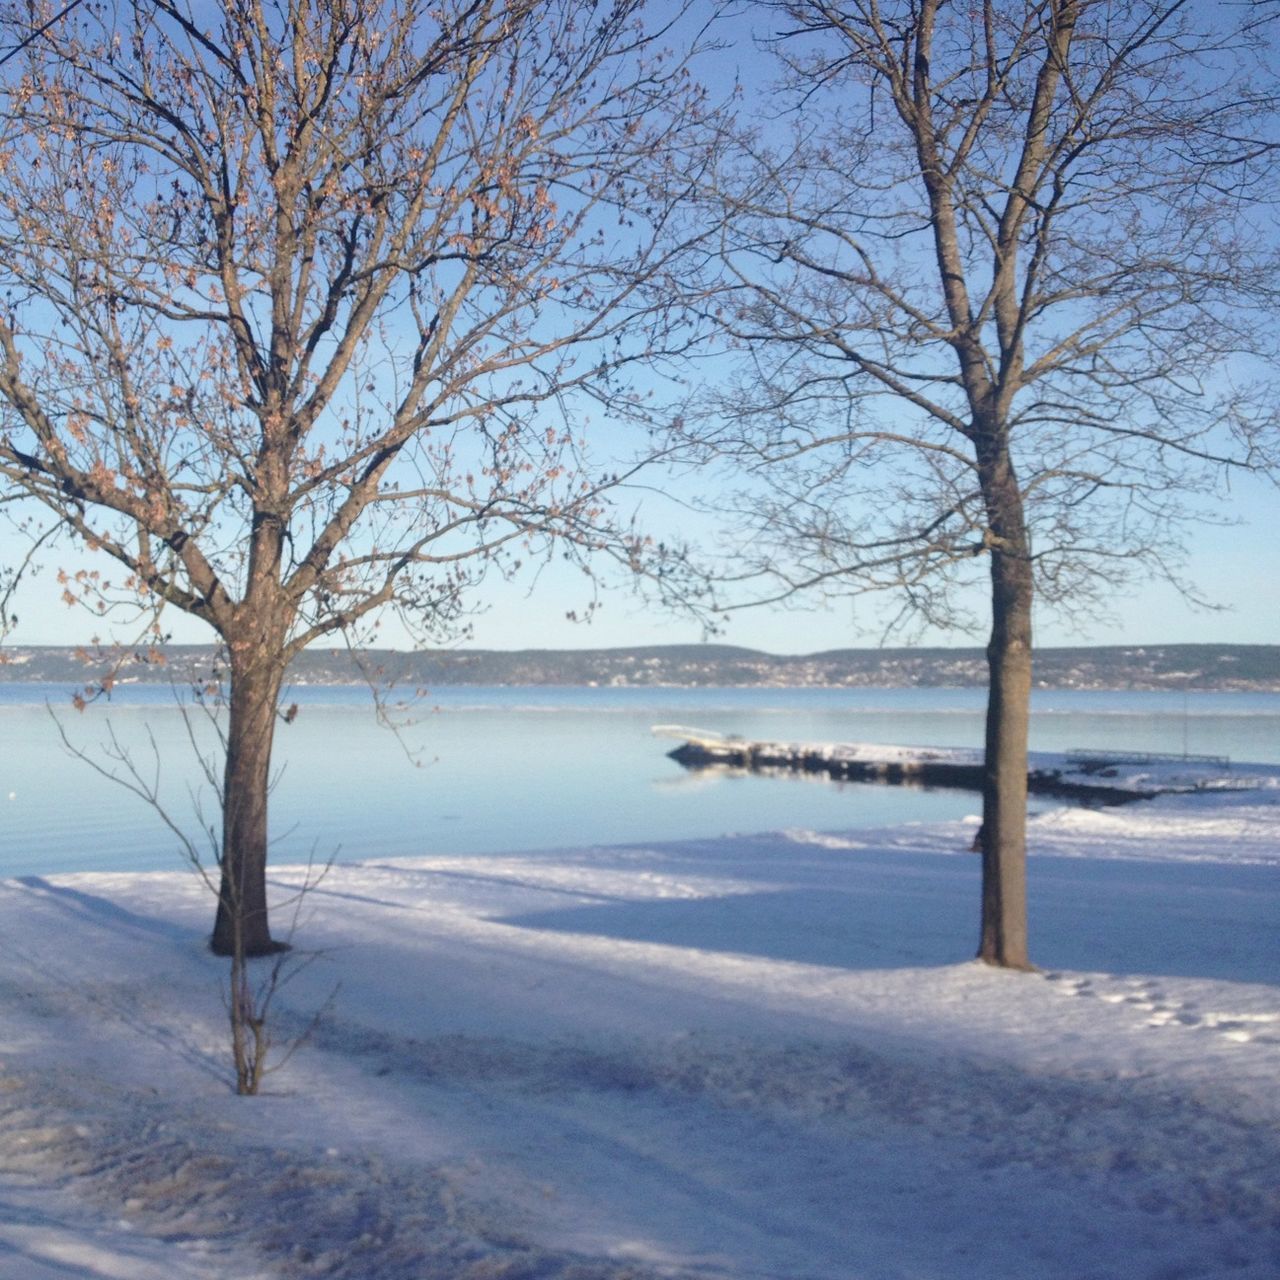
x=1071 y=986
x=1240 y=1028
x=1245 y=1028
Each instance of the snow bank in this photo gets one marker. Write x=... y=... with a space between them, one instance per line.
x=754 y=1057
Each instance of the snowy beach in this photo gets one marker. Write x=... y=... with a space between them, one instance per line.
x=731 y=1059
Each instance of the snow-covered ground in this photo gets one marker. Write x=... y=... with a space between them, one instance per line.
x=763 y=1057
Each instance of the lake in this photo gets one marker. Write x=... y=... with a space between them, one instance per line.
x=512 y=769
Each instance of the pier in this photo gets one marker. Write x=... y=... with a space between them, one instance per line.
x=898 y=766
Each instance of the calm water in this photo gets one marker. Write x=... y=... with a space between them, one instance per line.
x=486 y=770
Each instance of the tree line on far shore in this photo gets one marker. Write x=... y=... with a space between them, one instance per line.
x=1175 y=667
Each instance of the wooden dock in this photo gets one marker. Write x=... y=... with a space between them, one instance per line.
x=700 y=750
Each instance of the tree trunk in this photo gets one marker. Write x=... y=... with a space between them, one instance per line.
x=1004 y=792
x=242 y=896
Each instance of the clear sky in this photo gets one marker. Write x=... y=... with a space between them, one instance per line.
x=1237 y=566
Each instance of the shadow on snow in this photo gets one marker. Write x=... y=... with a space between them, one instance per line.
x=1199 y=920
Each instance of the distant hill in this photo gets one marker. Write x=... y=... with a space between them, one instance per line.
x=1180 y=666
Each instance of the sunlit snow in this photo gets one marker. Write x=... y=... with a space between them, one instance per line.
x=765 y=1056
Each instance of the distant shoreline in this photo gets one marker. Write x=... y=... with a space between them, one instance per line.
x=1189 y=667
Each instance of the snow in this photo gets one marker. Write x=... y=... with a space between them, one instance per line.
x=1142 y=773
x=762 y=1057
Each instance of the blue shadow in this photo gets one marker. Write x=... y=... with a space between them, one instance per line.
x=898 y=910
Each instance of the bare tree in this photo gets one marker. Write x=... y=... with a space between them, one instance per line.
x=29 y=539
x=298 y=300
x=249 y=998
x=11 y=576
x=999 y=282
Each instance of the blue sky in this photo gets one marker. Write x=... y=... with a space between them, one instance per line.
x=1236 y=566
